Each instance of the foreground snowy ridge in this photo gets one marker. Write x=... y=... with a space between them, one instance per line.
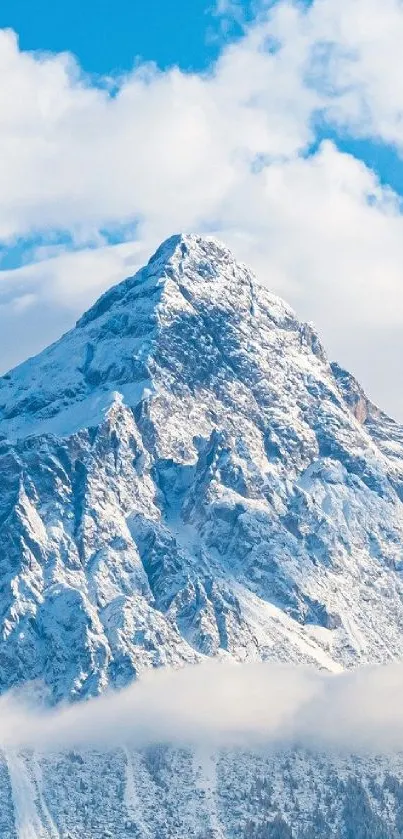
x=184 y=474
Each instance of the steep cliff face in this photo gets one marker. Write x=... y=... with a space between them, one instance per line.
x=183 y=475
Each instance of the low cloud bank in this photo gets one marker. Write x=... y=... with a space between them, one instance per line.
x=225 y=705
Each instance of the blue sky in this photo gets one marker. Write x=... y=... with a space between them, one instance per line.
x=110 y=36
x=94 y=173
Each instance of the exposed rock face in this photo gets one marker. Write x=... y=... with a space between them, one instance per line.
x=183 y=475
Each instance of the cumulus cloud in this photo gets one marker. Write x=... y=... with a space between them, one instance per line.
x=253 y=706
x=157 y=147
x=353 y=48
x=235 y=152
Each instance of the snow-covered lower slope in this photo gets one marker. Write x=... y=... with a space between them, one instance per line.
x=162 y=793
x=184 y=474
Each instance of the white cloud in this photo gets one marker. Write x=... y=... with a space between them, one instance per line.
x=40 y=301
x=72 y=279
x=164 y=146
x=360 y=42
x=222 y=152
x=225 y=705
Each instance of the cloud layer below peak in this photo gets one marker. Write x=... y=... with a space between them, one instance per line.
x=218 y=705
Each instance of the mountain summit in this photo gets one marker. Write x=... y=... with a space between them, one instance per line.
x=184 y=474
x=119 y=341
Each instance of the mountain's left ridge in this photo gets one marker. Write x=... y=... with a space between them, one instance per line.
x=184 y=475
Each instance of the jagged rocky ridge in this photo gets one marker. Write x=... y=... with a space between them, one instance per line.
x=184 y=474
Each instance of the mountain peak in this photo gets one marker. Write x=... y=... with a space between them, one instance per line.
x=191 y=291
x=191 y=246
x=192 y=326
x=203 y=258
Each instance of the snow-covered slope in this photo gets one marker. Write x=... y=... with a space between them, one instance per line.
x=184 y=474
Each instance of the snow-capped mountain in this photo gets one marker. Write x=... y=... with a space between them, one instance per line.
x=184 y=474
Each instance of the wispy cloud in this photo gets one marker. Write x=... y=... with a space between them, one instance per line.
x=226 y=705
